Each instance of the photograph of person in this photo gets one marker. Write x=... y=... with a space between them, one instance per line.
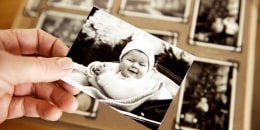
x=127 y=68
x=132 y=74
x=208 y=96
x=218 y=24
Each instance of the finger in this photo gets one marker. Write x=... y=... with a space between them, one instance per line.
x=33 y=69
x=31 y=41
x=49 y=92
x=68 y=87
x=58 y=96
x=27 y=89
x=31 y=107
x=4 y=101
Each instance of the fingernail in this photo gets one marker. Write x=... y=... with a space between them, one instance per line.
x=65 y=63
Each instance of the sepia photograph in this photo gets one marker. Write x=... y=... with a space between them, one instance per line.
x=171 y=10
x=167 y=36
x=65 y=26
x=207 y=97
x=126 y=68
x=84 y=5
x=218 y=24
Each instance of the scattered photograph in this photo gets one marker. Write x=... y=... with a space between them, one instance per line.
x=167 y=36
x=126 y=68
x=84 y=5
x=207 y=97
x=65 y=26
x=88 y=106
x=218 y=24
x=172 y=10
x=32 y=8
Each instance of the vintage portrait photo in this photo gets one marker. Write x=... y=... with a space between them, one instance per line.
x=218 y=24
x=84 y=5
x=65 y=26
x=208 y=96
x=172 y=10
x=169 y=37
x=126 y=68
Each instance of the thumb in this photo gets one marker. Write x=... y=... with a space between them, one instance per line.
x=24 y=69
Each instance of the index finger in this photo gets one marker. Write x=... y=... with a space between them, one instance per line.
x=31 y=41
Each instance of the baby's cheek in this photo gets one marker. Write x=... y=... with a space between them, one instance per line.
x=140 y=75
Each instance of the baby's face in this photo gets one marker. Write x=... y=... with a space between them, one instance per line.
x=134 y=64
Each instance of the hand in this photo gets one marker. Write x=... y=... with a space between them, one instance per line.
x=99 y=69
x=31 y=65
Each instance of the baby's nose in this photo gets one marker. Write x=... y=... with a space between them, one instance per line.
x=135 y=64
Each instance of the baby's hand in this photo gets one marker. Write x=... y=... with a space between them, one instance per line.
x=99 y=69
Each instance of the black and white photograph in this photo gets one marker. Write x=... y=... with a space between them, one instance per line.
x=65 y=26
x=126 y=68
x=84 y=5
x=218 y=24
x=207 y=98
x=167 y=36
x=170 y=10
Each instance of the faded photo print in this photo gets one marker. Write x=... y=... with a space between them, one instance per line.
x=65 y=26
x=218 y=24
x=207 y=98
x=172 y=10
x=132 y=71
x=84 y=5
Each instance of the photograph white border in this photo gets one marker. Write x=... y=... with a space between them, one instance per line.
x=239 y=43
x=183 y=19
x=173 y=35
x=47 y=13
x=232 y=94
x=87 y=7
x=92 y=111
x=103 y=37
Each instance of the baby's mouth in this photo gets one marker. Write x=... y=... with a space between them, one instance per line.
x=132 y=70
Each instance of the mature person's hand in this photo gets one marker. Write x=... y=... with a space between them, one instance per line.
x=31 y=64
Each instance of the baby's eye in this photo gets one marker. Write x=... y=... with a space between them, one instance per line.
x=131 y=60
x=142 y=64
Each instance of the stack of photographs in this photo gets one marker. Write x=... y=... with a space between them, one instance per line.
x=207 y=97
x=109 y=46
x=218 y=24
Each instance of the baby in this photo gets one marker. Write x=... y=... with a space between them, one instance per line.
x=130 y=77
x=124 y=85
